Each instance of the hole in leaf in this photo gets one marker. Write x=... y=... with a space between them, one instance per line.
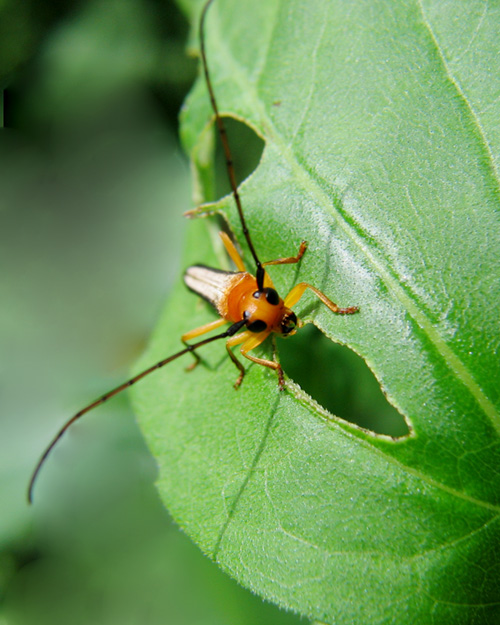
x=340 y=381
x=246 y=149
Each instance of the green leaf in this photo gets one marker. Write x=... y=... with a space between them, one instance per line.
x=381 y=150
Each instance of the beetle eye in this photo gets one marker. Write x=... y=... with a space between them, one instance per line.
x=270 y=294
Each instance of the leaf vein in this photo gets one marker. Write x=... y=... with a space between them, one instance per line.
x=312 y=186
x=456 y=83
x=248 y=474
x=349 y=430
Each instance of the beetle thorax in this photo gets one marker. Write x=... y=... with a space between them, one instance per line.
x=262 y=309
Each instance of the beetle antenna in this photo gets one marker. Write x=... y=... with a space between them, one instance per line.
x=104 y=398
x=227 y=152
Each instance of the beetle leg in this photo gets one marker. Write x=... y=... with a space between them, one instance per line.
x=289 y=260
x=236 y=340
x=253 y=342
x=198 y=332
x=298 y=290
x=232 y=251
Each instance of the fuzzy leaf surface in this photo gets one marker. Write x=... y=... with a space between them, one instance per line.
x=381 y=150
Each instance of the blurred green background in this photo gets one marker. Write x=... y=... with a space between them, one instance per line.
x=93 y=185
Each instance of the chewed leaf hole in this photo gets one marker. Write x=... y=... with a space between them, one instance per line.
x=340 y=381
x=246 y=149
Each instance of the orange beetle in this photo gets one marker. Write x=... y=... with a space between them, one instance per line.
x=249 y=303
x=238 y=298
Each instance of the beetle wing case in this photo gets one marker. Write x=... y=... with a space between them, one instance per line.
x=213 y=285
